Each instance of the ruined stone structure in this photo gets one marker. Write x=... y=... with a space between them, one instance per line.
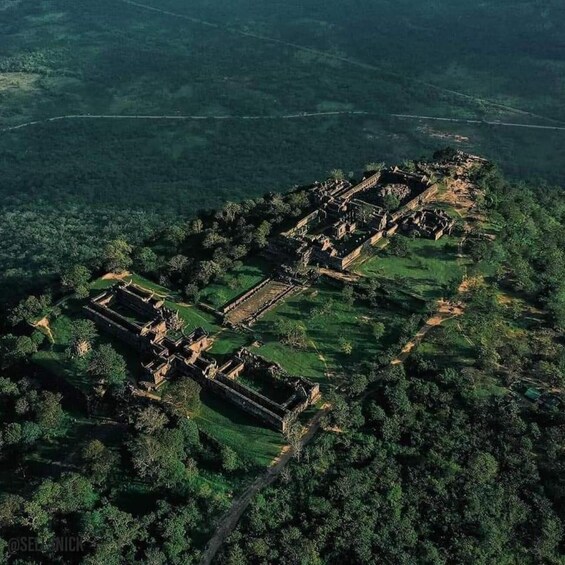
x=350 y=219
x=247 y=308
x=429 y=223
x=142 y=321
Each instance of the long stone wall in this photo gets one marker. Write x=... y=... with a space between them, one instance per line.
x=252 y=395
x=368 y=183
x=136 y=303
x=422 y=198
x=280 y=423
x=129 y=335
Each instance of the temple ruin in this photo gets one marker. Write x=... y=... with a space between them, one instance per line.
x=142 y=321
x=351 y=218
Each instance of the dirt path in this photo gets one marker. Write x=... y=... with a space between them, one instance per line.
x=179 y=117
x=240 y=504
x=295 y=116
x=480 y=122
x=116 y=276
x=446 y=311
x=44 y=323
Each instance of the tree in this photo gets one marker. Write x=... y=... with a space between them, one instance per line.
x=175 y=235
x=110 y=531
x=107 y=366
x=229 y=459
x=391 y=202
x=146 y=260
x=77 y=278
x=398 y=247
x=378 y=330
x=374 y=167
x=99 y=460
x=196 y=226
x=30 y=309
x=348 y=295
x=345 y=346
x=15 y=348
x=291 y=333
x=337 y=174
x=184 y=395
x=83 y=333
x=192 y=292
x=160 y=457
x=262 y=233
x=150 y=419
x=293 y=435
x=49 y=413
x=229 y=212
x=117 y=255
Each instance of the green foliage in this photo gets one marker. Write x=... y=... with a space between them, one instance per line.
x=83 y=331
x=30 y=309
x=146 y=260
x=392 y=202
x=291 y=333
x=99 y=461
x=117 y=255
x=398 y=247
x=184 y=395
x=77 y=279
x=229 y=459
x=107 y=366
x=378 y=330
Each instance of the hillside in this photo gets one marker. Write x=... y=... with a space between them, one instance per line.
x=357 y=370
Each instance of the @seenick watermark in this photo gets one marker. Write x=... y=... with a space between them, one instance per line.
x=30 y=544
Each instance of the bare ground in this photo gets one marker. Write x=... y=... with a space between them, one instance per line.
x=44 y=323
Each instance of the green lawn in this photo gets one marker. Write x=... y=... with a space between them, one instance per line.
x=54 y=357
x=431 y=268
x=228 y=341
x=244 y=434
x=236 y=282
x=150 y=285
x=102 y=284
x=194 y=317
x=323 y=356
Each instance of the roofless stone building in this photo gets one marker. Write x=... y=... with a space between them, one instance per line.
x=142 y=321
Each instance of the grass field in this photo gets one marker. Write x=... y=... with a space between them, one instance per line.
x=231 y=427
x=430 y=269
x=323 y=356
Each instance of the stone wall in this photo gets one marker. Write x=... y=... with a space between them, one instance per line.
x=116 y=325
x=421 y=199
x=137 y=303
x=243 y=297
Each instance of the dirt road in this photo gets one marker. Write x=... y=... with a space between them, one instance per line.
x=230 y=520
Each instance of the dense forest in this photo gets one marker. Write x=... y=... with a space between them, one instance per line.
x=170 y=139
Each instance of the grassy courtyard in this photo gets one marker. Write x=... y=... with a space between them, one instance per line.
x=244 y=434
x=428 y=271
x=328 y=320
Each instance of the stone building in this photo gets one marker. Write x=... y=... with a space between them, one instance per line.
x=429 y=223
x=139 y=319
